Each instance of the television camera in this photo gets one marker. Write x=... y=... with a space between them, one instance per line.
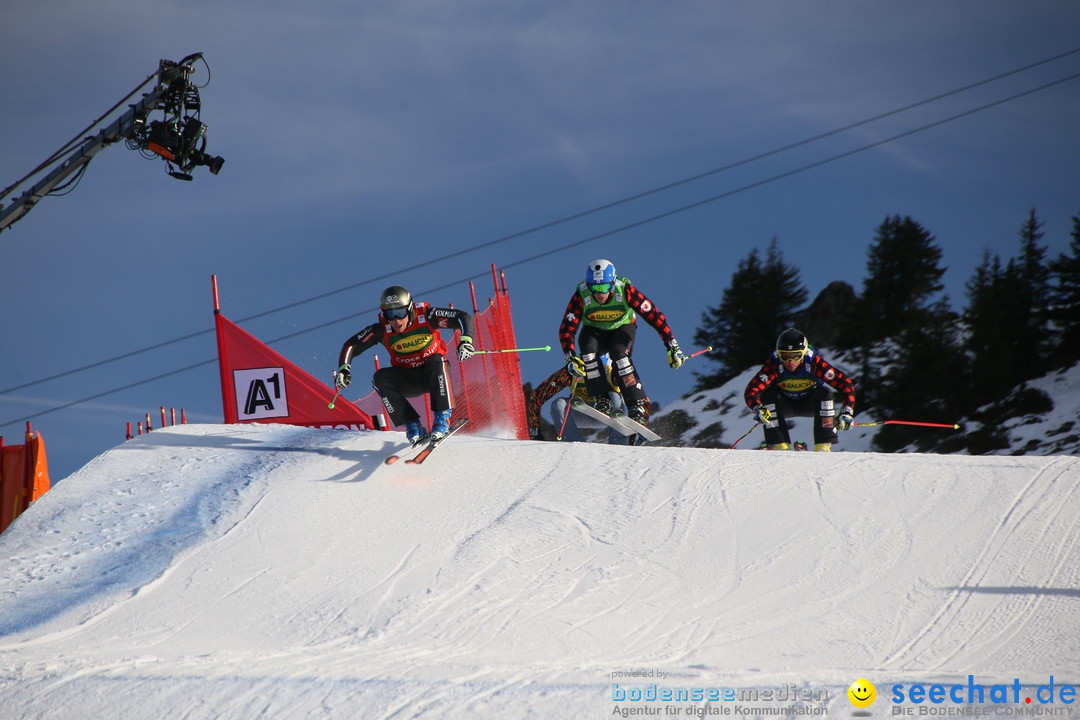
x=178 y=137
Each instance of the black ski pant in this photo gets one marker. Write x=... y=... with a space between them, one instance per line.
x=817 y=404
x=395 y=384
x=617 y=344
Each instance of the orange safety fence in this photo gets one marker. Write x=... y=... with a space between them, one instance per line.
x=24 y=476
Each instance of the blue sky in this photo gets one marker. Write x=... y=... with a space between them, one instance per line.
x=362 y=141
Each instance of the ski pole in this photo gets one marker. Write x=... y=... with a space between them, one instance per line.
x=947 y=426
x=569 y=404
x=754 y=427
x=699 y=352
x=334 y=399
x=511 y=350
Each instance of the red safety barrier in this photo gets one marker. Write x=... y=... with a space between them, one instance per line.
x=24 y=476
x=488 y=386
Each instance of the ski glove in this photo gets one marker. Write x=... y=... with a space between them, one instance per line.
x=762 y=415
x=343 y=376
x=846 y=419
x=575 y=365
x=464 y=348
x=675 y=357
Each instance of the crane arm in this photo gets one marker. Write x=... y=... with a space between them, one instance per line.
x=174 y=138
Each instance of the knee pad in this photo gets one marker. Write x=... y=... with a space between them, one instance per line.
x=624 y=368
x=827 y=413
x=592 y=365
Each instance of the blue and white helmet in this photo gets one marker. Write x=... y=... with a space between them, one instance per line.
x=599 y=272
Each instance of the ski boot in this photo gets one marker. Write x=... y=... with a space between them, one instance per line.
x=603 y=405
x=440 y=424
x=415 y=432
x=639 y=412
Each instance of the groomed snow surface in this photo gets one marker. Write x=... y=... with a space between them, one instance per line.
x=213 y=571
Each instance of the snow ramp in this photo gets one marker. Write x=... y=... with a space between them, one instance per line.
x=267 y=571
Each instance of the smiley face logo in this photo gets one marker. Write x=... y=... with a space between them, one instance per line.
x=862 y=693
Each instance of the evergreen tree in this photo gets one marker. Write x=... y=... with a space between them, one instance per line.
x=1008 y=336
x=1033 y=276
x=1065 y=301
x=902 y=279
x=926 y=366
x=758 y=304
x=898 y=326
x=996 y=309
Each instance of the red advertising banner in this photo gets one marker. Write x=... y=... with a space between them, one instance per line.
x=260 y=385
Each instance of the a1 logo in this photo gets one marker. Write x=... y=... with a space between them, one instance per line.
x=260 y=393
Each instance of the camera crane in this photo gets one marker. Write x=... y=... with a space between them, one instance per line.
x=179 y=138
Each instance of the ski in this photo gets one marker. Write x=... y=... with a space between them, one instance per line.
x=621 y=423
x=432 y=444
x=797 y=445
x=636 y=428
x=391 y=459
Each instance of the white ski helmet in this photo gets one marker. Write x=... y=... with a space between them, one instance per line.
x=599 y=272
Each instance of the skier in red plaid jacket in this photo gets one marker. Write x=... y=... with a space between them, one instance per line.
x=797 y=382
x=606 y=307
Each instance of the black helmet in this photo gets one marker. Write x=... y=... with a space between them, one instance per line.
x=396 y=298
x=790 y=342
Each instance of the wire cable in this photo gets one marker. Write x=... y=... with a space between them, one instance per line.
x=547 y=253
x=566 y=219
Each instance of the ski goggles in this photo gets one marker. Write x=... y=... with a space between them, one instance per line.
x=600 y=288
x=789 y=355
x=396 y=313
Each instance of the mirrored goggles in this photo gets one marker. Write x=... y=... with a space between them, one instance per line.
x=788 y=355
x=600 y=288
x=396 y=313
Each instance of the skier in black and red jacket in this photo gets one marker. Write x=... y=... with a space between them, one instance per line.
x=410 y=333
x=606 y=307
x=797 y=382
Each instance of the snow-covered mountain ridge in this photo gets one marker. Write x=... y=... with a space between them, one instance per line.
x=718 y=417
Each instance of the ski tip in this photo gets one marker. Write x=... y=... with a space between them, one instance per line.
x=391 y=460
